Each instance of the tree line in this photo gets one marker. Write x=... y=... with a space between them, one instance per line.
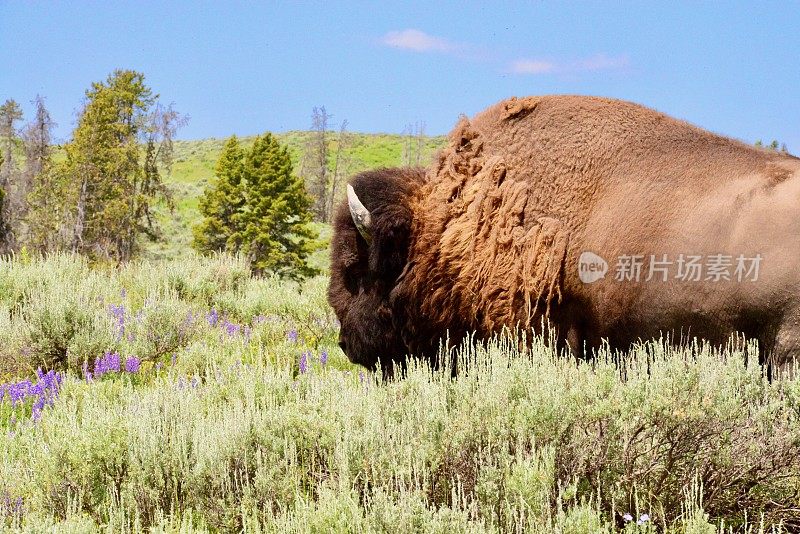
x=97 y=194
x=97 y=197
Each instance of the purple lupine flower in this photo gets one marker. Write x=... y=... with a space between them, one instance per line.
x=304 y=362
x=361 y=376
x=123 y=293
x=132 y=364
x=292 y=335
x=195 y=382
x=11 y=507
x=44 y=392
x=643 y=519
x=323 y=357
x=230 y=328
x=628 y=518
x=119 y=314
x=212 y=317
x=87 y=375
x=108 y=363
x=114 y=362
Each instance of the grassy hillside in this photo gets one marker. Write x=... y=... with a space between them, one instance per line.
x=194 y=167
x=189 y=396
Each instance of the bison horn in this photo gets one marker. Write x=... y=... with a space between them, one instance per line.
x=359 y=213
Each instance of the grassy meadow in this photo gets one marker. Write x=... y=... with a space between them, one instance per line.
x=195 y=162
x=185 y=395
x=182 y=394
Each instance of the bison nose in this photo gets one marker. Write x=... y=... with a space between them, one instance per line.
x=343 y=345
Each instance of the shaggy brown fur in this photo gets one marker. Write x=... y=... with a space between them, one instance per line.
x=490 y=238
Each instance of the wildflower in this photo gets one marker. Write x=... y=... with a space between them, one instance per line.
x=304 y=362
x=86 y=374
x=628 y=518
x=132 y=364
x=213 y=317
x=118 y=312
x=292 y=335
x=361 y=376
x=109 y=362
x=323 y=357
x=231 y=328
x=44 y=392
x=643 y=519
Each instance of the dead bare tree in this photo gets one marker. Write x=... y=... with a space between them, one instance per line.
x=413 y=144
x=36 y=138
x=323 y=182
x=420 y=134
x=341 y=166
x=317 y=161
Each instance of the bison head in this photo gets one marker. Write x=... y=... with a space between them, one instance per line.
x=369 y=251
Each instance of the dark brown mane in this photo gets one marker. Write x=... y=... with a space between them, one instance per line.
x=362 y=273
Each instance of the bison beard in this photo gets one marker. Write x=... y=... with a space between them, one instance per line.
x=489 y=237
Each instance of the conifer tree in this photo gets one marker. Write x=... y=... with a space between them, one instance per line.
x=10 y=112
x=115 y=181
x=261 y=209
x=221 y=201
x=275 y=234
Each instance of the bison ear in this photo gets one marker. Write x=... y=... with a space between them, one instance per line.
x=388 y=248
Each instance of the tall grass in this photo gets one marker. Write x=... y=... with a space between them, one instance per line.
x=243 y=417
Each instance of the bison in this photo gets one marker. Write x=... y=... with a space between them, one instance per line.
x=607 y=220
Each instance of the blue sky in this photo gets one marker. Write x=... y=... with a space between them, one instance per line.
x=245 y=68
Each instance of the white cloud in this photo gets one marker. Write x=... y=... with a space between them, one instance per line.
x=531 y=66
x=418 y=41
x=598 y=62
x=603 y=62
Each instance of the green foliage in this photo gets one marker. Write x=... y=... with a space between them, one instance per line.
x=102 y=193
x=51 y=201
x=194 y=173
x=774 y=145
x=259 y=208
x=223 y=199
x=221 y=431
x=275 y=234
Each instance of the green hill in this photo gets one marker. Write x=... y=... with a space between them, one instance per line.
x=194 y=168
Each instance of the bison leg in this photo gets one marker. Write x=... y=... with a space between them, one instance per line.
x=784 y=358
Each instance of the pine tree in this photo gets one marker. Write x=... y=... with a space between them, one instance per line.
x=221 y=201
x=114 y=180
x=274 y=231
x=10 y=112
